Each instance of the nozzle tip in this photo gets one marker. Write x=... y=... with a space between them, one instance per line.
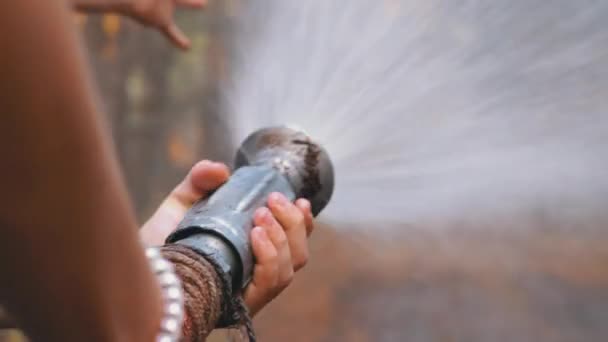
x=304 y=162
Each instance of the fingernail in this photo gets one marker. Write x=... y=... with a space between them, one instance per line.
x=262 y=213
x=257 y=231
x=278 y=199
x=260 y=234
x=218 y=164
x=203 y=163
x=305 y=203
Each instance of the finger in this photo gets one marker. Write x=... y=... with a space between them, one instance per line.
x=304 y=206
x=191 y=3
x=292 y=220
x=205 y=176
x=264 y=219
x=177 y=36
x=265 y=271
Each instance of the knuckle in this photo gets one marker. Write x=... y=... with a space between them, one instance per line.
x=301 y=261
x=311 y=225
x=270 y=279
x=282 y=240
x=286 y=279
x=269 y=258
x=273 y=282
x=273 y=258
x=146 y=10
x=298 y=219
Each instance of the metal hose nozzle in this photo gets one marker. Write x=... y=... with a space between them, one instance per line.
x=276 y=159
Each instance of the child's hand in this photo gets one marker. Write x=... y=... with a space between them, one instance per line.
x=279 y=239
x=280 y=246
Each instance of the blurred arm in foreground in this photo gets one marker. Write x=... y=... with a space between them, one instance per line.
x=69 y=248
x=70 y=258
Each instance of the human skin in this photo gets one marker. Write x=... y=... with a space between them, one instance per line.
x=154 y=13
x=279 y=238
x=70 y=255
x=71 y=259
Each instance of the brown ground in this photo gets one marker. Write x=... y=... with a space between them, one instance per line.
x=462 y=286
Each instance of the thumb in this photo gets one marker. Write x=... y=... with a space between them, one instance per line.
x=204 y=177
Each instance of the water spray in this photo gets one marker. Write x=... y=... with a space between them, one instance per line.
x=276 y=159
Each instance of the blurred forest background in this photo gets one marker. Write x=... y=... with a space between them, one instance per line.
x=469 y=284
